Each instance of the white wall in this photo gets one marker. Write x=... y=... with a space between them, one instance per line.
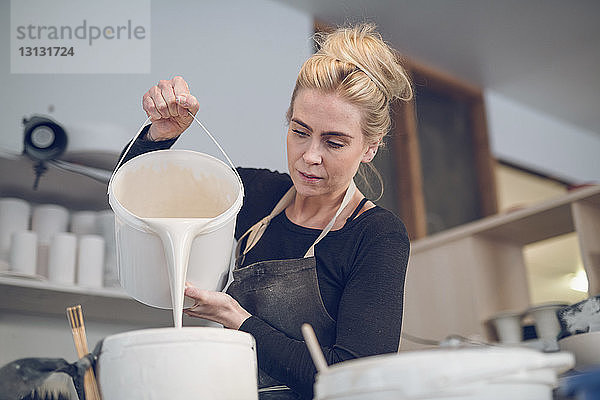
x=526 y=137
x=240 y=59
x=30 y=335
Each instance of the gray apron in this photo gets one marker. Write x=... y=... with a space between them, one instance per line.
x=283 y=293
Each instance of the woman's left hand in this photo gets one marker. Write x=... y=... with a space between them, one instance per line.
x=216 y=306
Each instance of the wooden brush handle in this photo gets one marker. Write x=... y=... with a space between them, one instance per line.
x=90 y=385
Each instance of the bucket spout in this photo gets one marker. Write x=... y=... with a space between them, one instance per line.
x=177 y=235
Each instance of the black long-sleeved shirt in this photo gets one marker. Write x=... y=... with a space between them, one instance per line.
x=360 y=269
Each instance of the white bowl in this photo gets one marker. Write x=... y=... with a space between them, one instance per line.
x=585 y=347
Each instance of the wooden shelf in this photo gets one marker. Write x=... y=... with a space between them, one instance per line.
x=459 y=278
x=524 y=226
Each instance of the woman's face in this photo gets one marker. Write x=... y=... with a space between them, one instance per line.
x=325 y=144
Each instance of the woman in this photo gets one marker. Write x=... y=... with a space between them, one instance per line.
x=311 y=247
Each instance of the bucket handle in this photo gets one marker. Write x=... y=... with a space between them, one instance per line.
x=201 y=126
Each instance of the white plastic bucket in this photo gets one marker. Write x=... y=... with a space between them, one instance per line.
x=145 y=183
x=466 y=374
x=187 y=363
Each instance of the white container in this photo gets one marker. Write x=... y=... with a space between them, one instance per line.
x=105 y=221
x=49 y=219
x=145 y=181
x=508 y=326
x=463 y=374
x=14 y=217
x=90 y=261
x=62 y=258
x=178 y=364
x=84 y=223
x=547 y=325
x=23 y=253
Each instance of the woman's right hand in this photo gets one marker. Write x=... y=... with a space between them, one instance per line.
x=167 y=104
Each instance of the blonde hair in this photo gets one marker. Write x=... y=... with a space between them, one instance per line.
x=361 y=68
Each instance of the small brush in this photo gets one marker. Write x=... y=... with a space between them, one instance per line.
x=57 y=387
x=75 y=316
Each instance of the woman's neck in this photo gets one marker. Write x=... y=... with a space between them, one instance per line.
x=316 y=212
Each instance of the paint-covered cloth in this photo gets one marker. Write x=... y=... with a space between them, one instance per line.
x=24 y=378
x=360 y=268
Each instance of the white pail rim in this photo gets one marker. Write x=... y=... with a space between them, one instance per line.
x=433 y=372
x=159 y=336
x=137 y=222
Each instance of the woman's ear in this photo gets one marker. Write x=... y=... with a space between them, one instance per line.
x=370 y=152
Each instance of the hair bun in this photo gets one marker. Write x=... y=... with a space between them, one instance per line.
x=363 y=47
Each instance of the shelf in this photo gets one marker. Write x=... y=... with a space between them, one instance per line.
x=102 y=304
x=524 y=226
x=461 y=277
x=56 y=186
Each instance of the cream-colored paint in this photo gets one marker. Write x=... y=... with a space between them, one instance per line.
x=175 y=192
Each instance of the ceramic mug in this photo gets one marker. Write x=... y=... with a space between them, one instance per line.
x=14 y=217
x=61 y=258
x=23 y=252
x=508 y=327
x=90 y=261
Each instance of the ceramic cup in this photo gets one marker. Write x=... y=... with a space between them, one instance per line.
x=23 y=252
x=62 y=257
x=105 y=220
x=14 y=217
x=49 y=219
x=84 y=223
x=546 y=321
x=90 y=261
x=508 y=327
x=547 y=325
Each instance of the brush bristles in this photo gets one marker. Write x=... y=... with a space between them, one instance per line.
x=58 y=386
x=39 y=394
x=75 y=315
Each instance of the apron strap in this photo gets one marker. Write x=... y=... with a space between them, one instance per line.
x=349 y=193
x=256 y=231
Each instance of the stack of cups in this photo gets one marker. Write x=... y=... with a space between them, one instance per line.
x=106 y=227
x=90 y=257
x=77 y=256
x=14 y=221
x=83 y=253
x=23 y=253
x=47 y=221
x=508 y=325
x=62 y=258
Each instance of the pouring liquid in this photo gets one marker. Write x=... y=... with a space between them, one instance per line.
x=177 y=235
